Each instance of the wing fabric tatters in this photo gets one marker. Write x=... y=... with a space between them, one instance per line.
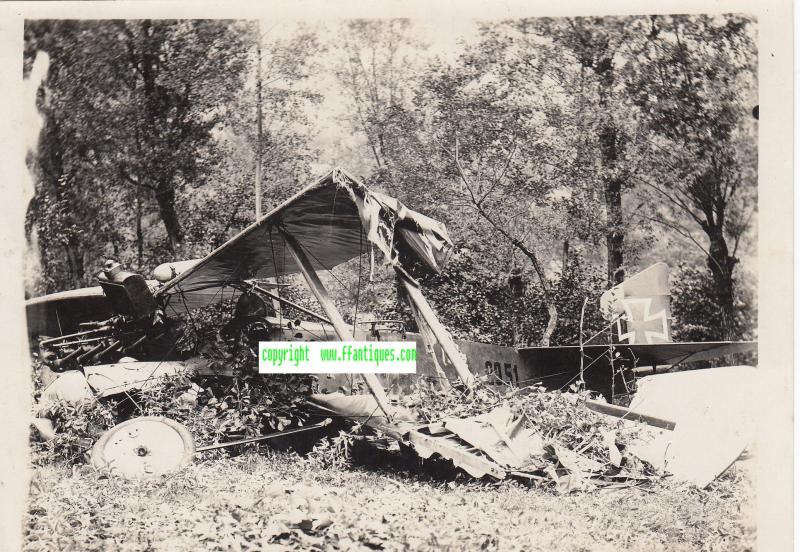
x=401 y=234
x=330 y=220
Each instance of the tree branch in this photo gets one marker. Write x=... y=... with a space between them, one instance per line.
x=682 y=232
x=126 y=176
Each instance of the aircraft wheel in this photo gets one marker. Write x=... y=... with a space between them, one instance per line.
x=144 y=447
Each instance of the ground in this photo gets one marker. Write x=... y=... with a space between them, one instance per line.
x=278 y=501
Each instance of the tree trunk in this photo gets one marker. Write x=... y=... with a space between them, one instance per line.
x=139 y=233
x=721 y=265
x=610 y=151
x=552 y=310
x=516 y=285
x=165 y=197
x=76 y=268
x=155 y=110
x=552 y=320
x=615 y=236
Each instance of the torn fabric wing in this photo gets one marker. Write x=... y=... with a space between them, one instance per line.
x=334 y=220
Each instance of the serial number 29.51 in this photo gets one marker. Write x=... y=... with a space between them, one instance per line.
x=506 y=372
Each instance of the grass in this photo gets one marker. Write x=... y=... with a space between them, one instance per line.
x=278 y=501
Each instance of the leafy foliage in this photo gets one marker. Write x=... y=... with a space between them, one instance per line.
x=77 y=427
x=214 y=409
x=703 y=165
x=147 y=129
x=563 y=132
x=149 y=144
x=265 y=502
x=217 y=410
x=376 y=72
x=480 y=302
x=697 y=314
x=246 y=404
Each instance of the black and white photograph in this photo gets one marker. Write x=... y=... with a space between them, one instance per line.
x=405 y=280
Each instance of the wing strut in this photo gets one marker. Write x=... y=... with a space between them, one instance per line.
x=420 y=304
x=329 y=308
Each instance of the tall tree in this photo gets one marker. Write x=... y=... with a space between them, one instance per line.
x=595 y=43
x=584 y=61
x=62 y=212
x=479 y=149
x=696 y=81
x=376 y=74
x=141 y=100
x=529 y=119
x=224 y=205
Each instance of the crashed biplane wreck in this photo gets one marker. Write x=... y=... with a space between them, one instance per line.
x=120 y=337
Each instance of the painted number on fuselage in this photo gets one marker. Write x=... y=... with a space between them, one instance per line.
x=505 y=372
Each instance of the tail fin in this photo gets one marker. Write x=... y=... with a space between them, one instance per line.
x=641 y=306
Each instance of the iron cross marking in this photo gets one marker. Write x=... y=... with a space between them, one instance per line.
x=642 y=326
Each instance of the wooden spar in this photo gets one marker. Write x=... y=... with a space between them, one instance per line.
x=341 y=328
x=429 y=340
x=292 y=304
x=628 y=414
x=323 y=423
x=442 y=335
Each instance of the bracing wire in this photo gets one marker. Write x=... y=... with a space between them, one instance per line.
x=358 y=287
x=275 y=268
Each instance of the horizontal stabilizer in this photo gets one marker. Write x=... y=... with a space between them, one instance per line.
x=646 y=354
x=557 y=367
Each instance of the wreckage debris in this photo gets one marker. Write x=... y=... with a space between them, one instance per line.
x=510 y=432
x=565 y=441
x=151 y=446
x=143 y=448
x=713 y=421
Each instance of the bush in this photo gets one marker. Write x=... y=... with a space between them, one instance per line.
x=77 y=427
x=218 y=409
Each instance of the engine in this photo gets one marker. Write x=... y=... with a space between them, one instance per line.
x=138 y=327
